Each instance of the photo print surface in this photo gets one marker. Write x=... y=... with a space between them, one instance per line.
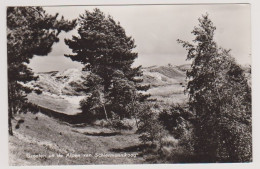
x=129 y=84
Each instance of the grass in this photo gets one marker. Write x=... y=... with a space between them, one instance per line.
x=47 y=136
x=170 y=94
x=55 y=133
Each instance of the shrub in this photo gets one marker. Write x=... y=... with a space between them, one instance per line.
x=150 y=128
x=176 y=120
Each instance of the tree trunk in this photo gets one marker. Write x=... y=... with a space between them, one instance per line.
x=105 y=111
x=134 y=112
x=10 y=108
x=10 y=116
x=136 y=122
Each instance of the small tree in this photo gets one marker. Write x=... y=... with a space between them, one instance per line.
x=30 y=31
x=96 y=101
x=220 y=98
x=119 y=98
x=121 y=94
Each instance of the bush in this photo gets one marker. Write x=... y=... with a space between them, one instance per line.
x=176 y=120
x=117 y=123
x=149 y=127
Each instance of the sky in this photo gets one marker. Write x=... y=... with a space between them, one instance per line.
x=155 y=29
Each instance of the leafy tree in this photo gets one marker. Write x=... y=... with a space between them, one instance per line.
x=30 y=31
x=220 y=98
x=122 y=93
x=120 y=98
x=93 y=104
x=105 y=50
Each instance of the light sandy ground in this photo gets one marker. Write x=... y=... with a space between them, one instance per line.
x=65 y=104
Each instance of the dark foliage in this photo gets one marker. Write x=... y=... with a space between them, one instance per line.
x=107 y=52
x=174 y=118
x=30 y=31
x=219 y=97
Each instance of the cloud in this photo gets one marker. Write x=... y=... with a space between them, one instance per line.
x=156 y=29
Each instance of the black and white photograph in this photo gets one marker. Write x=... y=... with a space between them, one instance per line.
x=129 y=84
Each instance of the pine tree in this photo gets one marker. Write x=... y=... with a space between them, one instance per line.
x=104 y=49
x=220 y=98
x=30 y=31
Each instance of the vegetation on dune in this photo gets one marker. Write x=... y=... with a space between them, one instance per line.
x=30 y=31
x=213 y=126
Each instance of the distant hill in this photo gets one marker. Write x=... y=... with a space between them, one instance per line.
x=60 y=83
x=167 y=83
x=60 y=88
x=184 y=67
